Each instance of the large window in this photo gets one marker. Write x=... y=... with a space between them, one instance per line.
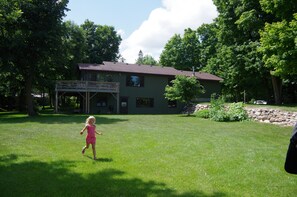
x=144 y=102
x=135 y=81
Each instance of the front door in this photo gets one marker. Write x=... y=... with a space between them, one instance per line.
x=124 y=105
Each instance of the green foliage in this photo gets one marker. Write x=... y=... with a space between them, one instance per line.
x=31 y=32
x=184 y=89
x=37 y=47
x=102 y=42
x=246 y=43
x=206 y=33
x=218 y=111
x=279 y=46
x=204 y=113
x=147 y=60
x=172 y=53
x=236 y=112
x=281 y=9
x=182 y=52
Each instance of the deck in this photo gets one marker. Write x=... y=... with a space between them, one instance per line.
x=87 y=86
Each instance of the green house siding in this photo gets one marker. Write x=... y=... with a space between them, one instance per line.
x=210 y=88
x=153 y=88
x=139 y=88
x=117 y=87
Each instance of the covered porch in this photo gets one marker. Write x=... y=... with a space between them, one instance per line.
x=87 y=90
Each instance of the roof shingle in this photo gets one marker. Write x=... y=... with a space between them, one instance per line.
x=145 y=69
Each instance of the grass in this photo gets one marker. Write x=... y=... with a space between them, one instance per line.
x=284 y=107
x=289 y=108
x=142 y=155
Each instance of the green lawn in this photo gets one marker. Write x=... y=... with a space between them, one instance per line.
x=143 y=155
x=289 y=108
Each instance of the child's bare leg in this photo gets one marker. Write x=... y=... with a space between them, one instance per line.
x=84 y=148
x=94 y=151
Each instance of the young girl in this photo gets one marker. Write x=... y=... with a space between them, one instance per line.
x=91 y=134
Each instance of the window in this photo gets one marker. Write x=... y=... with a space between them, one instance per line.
x=144 y=102
x=135 y=81
x=172 y=104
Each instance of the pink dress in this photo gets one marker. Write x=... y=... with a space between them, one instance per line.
x=91 y=137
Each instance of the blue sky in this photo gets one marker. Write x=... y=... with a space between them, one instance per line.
x=145 y=25
x=125 y=15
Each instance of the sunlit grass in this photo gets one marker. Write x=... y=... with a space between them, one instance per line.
x=142 y=155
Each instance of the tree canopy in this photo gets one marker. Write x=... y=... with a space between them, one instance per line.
x=26 y=43
x=146 y=60
x=182 y=52
x=102 y=43
x=183 y=89
x=251 y=45
x=35 y=53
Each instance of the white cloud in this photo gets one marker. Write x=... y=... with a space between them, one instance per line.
x=121 y=32
x=163 y=23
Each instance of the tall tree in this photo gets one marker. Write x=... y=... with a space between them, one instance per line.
x=102 y=43
x=182 y=52
x=278 y=44
x=73 y=50
x=237 y=59
x=208 y=41
x=172 y=54
x=146 y=60
x=140 y=57
x=27 y=43
x=191 y=50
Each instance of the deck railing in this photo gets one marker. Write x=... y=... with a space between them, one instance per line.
x=87 y=86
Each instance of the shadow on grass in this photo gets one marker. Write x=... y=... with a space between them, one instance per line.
x=100 y=159
x=35 y=178
x=54 y=118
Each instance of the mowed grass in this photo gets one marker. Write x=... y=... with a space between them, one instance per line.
x=142 y=155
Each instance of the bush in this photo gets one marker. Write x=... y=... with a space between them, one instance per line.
x=236 y=112
x=219 y=112
x=204 y=113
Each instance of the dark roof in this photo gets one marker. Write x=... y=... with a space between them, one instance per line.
x=145 y=69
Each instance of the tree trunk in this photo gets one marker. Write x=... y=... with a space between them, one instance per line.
x=277 y=89
x=29 y=98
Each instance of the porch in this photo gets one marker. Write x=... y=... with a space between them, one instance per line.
x=85 y=88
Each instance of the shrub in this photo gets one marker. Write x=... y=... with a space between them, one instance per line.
x=236 y=112
x=204 y=113
x=219 y=112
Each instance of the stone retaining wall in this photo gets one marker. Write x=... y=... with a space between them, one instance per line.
x=265 y=115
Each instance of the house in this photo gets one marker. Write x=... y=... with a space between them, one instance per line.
x=114 y=87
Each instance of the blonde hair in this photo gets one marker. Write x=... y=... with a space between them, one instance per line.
x=90 y=118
